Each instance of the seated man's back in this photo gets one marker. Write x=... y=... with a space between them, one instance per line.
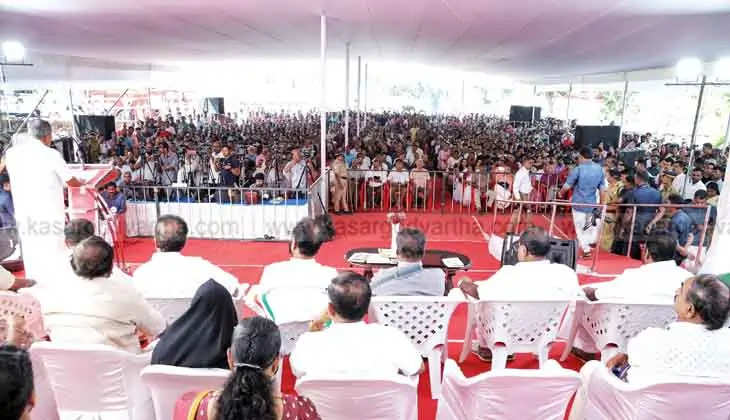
x=349 y=346
x=409 y=278
x=656 y=280
x=697 y=345
x=97 y=307
x=170 y=274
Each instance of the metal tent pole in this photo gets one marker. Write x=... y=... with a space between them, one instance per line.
x=567 y=111
x=323 y=104
x=359 y=60
x=623 y=111
x=365 y=93
x=347 y=95
x=690 y=167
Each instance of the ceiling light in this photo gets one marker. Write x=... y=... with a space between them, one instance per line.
x=689 y=69
x=721 y=69
x=13 y=51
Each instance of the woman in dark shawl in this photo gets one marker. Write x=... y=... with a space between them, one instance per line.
x=202 y=335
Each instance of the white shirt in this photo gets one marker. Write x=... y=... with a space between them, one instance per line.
x=398 y=177
x=38 y=175
x=296 y=272
x=689 y=192
x=655 y=282
x=356 y=350
x=522 y=184
x=531 y=280
x=683 y=349
x=171 y=275
x=105 y=310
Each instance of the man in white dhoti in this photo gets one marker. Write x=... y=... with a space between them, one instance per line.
x=38 y=175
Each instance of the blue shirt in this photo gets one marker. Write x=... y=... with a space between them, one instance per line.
x=7 y=210
x=117 y=201
x=698 y=221
x=645 y=194
x=680 y=226
x=585 y=179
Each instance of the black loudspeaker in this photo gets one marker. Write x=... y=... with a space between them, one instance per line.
x=99 y=123
x=65 y=145
x=631 y=156
x=562 y=251
x=215 y=105
x=593 y=135
x=524 y=113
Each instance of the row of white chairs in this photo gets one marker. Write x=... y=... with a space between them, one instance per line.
x=101 y=383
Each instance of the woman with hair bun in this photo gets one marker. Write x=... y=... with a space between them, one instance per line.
x=249 y=392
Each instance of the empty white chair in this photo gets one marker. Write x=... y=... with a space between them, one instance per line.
x=172 y=308
x=507 y=327
x=507 y=394
x=610 y=325
x=168 y=383
x=95 y=381
x=343 y=398
x=425 y=321
x=608 y=398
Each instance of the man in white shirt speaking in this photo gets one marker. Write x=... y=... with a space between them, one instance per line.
x=521 y=188
x=349 y=346
x=38 y=175
x=169 y=274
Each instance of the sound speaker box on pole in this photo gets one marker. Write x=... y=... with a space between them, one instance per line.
x=593 y=135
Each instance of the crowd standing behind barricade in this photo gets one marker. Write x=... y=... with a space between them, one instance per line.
x=409 y=161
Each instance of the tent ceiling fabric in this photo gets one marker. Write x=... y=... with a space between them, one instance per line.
x=521 y=38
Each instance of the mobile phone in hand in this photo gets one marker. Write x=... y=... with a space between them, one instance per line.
x=621 y=371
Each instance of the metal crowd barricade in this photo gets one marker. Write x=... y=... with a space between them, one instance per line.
x=703 y=233
x=216 y=212
x=518 y=207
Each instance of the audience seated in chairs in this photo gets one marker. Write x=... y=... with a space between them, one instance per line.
x=201 y=336
x=17 y=396
x=409 y=278
x=301 y=273
x=349 y=346
x=169 y=273
x=697 y=345
x=533 y=277
x=250 y=392
x=96 y=307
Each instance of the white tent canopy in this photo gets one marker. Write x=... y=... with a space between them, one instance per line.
x=529 y=39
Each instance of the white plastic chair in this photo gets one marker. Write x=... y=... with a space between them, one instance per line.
x=425 y=321
x=342 y=398
x=507 y=327
x=26 y=306
x=608 y=398
x=45 y=403
x=95 y=382
x=507 y=394
x=168 y=383
x=610 y=325
x=172 y=308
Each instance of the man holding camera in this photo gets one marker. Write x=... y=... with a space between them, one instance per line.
x=295 y=170
x=168 y=164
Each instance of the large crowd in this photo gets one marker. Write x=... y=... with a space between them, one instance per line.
x=90 y=301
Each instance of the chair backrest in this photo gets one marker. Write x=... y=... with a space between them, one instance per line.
x=522 y=326
x=507 y=394
x=172 y=308
x=96 y=380
x=616 y=322
x=697 y=399
x=423 y=319
x=276 y=304
x=26 y=306
x=168 y=383
x=343 y=398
